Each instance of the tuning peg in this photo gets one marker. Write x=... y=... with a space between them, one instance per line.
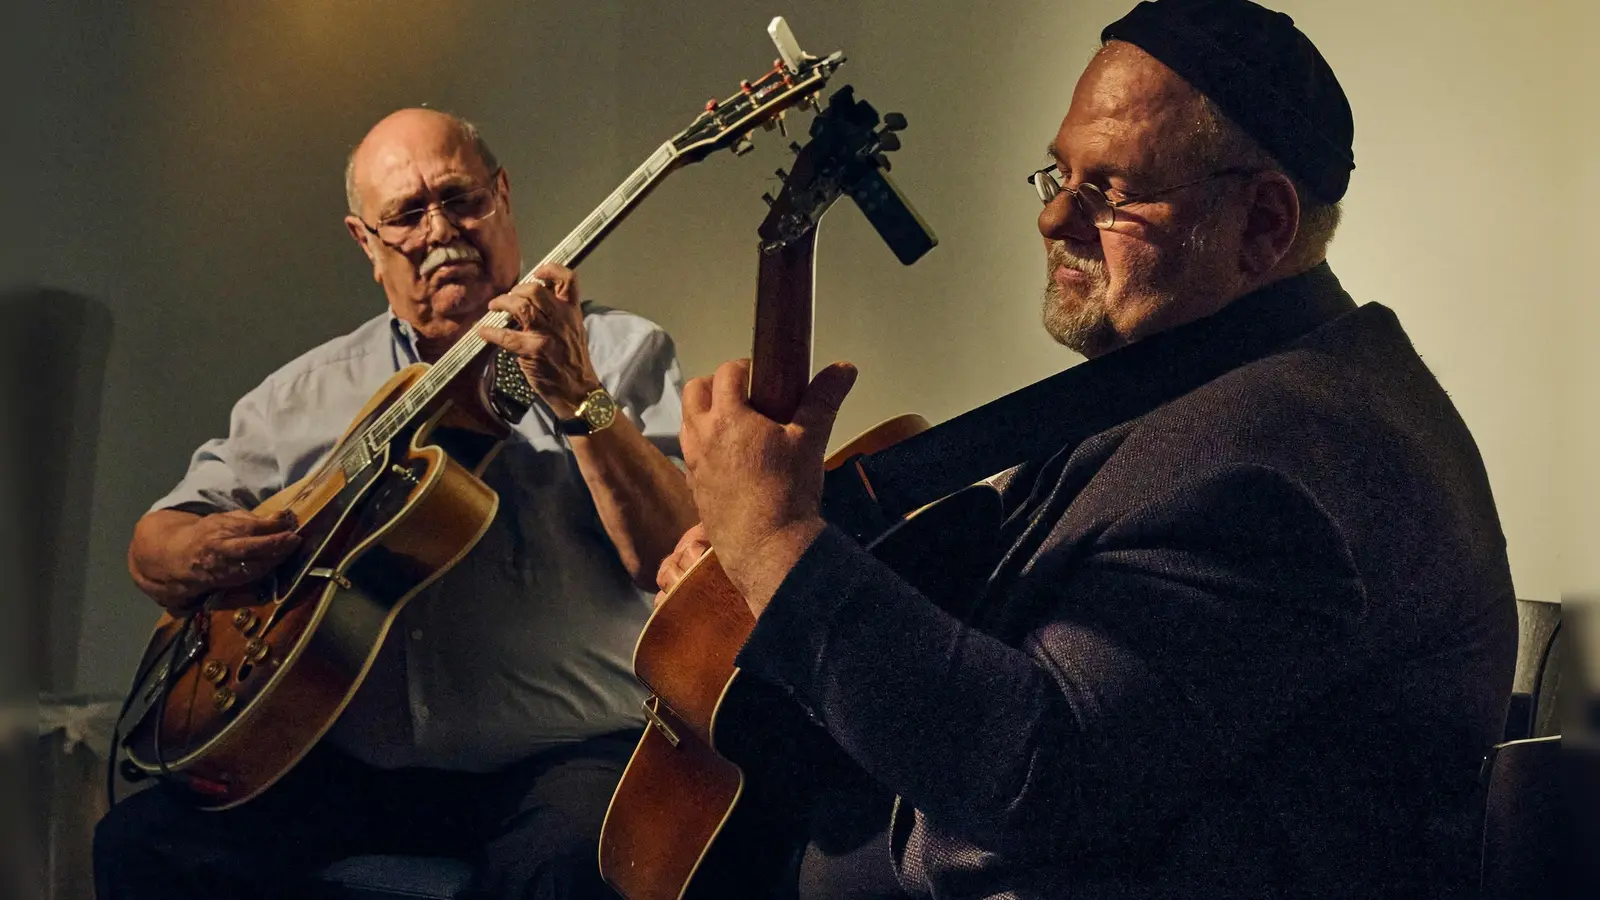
x=888 y=142
x=742 y=146
x=794 y=147
x=894 y=121
x=882 y=161
x=782 y=175
x=768 y=199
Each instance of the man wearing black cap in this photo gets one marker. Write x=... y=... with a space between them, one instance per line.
x=1250 y=642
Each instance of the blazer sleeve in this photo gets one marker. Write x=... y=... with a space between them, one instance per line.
x=1172 y=643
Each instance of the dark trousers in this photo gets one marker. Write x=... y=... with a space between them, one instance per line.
x=531 y=830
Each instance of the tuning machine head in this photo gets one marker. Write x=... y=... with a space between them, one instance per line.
x=777 y=123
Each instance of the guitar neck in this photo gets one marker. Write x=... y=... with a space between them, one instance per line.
x=571 y=251
x=780 y=357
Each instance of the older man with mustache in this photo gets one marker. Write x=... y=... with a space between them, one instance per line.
x=498 y=717
x=1249 y=643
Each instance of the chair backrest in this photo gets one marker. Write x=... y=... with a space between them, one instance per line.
x=1533 y=711
x=1526 y=826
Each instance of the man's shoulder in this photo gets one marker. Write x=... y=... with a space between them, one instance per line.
x=370 y=338
x=614 y=323
x=617 y=336
x=1351 y=398
x=1341 y=370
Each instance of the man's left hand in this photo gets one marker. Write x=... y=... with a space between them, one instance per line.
x=549 y=339
x=756 y=483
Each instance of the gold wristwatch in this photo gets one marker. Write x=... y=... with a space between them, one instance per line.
x=596 y=413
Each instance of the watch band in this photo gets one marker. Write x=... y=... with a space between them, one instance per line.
x=577 y=426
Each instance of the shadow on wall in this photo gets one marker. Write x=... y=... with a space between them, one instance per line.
x=55 y=351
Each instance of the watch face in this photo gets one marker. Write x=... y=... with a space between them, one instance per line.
x=600 y=410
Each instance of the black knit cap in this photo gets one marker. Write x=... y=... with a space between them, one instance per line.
x=1262 y=72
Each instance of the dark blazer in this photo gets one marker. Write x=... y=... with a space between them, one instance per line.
x=1252 y=643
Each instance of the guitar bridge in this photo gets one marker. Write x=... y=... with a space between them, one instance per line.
x=657 y=722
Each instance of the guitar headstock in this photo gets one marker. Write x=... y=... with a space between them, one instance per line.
x=795 y=80
x=847 y=153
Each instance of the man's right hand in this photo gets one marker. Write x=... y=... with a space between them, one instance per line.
x=176 y=557
x=691 y=547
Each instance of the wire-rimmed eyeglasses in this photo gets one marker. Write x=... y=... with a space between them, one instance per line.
x=1101 y=209
x=463 y=210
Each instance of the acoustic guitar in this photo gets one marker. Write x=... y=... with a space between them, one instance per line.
x=228 y=697
x=718 y=798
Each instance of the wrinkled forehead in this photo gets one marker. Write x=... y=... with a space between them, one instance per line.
x=1130 y=106
x=396 y=168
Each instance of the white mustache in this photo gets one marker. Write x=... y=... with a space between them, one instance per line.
x=1061 y=256
x=447 y=254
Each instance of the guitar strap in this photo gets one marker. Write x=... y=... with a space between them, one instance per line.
x=868 y=493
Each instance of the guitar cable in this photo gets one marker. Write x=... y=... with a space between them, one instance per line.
x=131 y=772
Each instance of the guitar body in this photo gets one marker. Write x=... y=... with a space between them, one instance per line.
x=717 y=799
x=230 y=697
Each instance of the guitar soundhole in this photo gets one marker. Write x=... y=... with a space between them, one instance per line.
x=244 y=671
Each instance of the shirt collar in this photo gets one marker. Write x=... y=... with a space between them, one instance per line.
x=405 y=339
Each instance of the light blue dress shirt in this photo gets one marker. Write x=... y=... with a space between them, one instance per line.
x=528 y=641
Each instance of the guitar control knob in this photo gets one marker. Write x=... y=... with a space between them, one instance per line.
x=214 y=671
x=223 y=699
x=256 y=650
x=246 y=621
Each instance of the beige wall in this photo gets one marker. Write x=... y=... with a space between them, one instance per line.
x=201 y=146
x=1579 y=473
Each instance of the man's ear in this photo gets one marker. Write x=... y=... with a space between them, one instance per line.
x=503 y=184
x=1271 y=223
x=363 y=238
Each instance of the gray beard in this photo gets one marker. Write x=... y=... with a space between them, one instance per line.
x=1084 y=328
x=1080 y=324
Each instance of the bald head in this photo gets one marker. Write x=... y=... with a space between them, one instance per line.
x=404 y=127
x=430 y=208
